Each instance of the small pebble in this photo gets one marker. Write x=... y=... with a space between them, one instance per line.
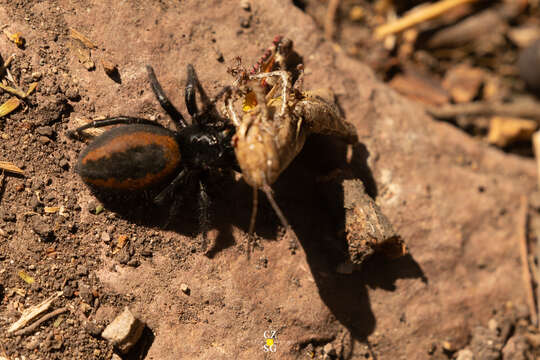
x=244 y=4
x=124 y=331
x=185 y=289
x=329 y=349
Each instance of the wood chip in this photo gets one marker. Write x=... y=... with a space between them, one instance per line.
x=522 y=239
x=463 y=83
x=419 y=88
x=519 y=109
x=506 y=130
x=51 y=209
x=367 y=228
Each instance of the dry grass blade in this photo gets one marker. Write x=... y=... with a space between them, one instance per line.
x=6 y=64
x=9 y=167
x=79 y=36
x=13 y=91
x=9 y=106
x=417 y=17
x=31 y=89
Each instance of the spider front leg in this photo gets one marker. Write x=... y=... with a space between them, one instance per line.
x=192 y=86
x=164 y=101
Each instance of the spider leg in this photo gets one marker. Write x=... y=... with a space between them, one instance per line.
x=113 y=121
x=164 y=101
x=204 y=217
x=169 y=189
x=193 y=85
x=190 y=91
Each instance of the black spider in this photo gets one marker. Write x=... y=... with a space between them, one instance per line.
x=143 y=155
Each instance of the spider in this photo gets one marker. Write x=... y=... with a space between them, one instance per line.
x=141 y=154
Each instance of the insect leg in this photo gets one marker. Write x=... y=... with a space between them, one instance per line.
x=254 y=207
x=230 y=109
x=164 y=101
x=286 y=83
x=268 y=192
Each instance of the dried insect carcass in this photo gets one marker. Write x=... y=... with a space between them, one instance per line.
x=275 y=124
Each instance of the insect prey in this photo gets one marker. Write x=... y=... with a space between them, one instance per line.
x=276 y=119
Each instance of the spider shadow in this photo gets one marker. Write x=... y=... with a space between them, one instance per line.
x=311 y=195
x=180 y=213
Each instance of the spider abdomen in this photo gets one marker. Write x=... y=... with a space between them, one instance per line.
x=130 y=157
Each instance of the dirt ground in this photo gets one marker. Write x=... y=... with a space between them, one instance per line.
x=453 y=199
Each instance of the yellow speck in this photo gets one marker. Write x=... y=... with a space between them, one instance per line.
x=269 y=342
x=250 y=101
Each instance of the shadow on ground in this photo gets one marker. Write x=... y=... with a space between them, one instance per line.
x=310 y=194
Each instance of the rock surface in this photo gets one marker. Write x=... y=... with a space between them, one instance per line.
x=452 y=199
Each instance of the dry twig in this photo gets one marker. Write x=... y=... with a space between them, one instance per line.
x=34 y=326
x=33 y=312
x=330 y=18
x=536 y=148
x=82 y=38
x=417 y=17
x=522 y=238
x=521 y=109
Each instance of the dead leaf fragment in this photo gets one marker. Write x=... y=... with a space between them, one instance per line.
x=7 y=166
x=16 y=38
x=26 y=278
x=506 y=130
x=51 y=209
x=83 y=53
x=120 y=243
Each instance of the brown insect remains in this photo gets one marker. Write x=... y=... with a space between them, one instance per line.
x=275 y=123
